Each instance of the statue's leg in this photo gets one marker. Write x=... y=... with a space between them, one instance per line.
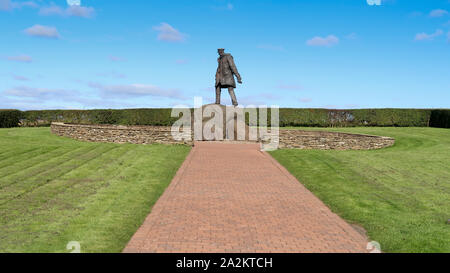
x=233 y=96
x=218 y=91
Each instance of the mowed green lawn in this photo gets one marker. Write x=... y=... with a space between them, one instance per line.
x=400 y=195
x=54 y=190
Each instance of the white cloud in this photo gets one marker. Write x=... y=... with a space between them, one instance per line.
x=37 y=104
x=80 y=11
x=328 y=41
x=9 y=5
x=52 y=10
x=5 y=5
x=20 y=58
x=27 y=4
x=32 y=98
x=427 y=37
x=41 y=93
x=76 y=11
x=168 y=33
x=136 y=90
x=438 y=13
x=42 y=31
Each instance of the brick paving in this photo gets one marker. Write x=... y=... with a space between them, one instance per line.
x=233 y=198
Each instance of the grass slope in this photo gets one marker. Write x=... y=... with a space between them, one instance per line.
x=400 y=195
x=54 y=190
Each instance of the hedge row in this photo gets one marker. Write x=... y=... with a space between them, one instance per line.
x=10 y=118
x=158 y=117
x=357 y=117
x=288 y=117
x=440 y=118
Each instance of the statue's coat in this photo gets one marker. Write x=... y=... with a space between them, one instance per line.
x=225 y=72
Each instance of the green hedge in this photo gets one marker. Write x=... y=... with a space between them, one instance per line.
x=288 y=117
x=356 y=117
x=393 y=117
x=440 y=118
x=10 y=118
x=124 y=117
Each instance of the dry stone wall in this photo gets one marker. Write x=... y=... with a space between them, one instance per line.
x=289 y=139
x=320 y=140
x=116 y=133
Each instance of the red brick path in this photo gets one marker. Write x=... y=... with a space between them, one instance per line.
x=235 y=198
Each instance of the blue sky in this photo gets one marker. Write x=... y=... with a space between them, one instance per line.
x=305 y=54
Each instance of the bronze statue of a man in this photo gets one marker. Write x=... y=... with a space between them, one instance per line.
x=225 y=76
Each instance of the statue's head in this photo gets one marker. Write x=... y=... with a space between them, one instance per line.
x=221 y=51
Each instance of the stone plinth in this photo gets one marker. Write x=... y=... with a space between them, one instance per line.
x=220 y=130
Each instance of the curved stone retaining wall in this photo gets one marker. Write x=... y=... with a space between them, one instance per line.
x=116 y=133
x=162 y=134
x=321 y=140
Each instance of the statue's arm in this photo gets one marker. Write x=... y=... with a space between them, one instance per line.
x=234 y=69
